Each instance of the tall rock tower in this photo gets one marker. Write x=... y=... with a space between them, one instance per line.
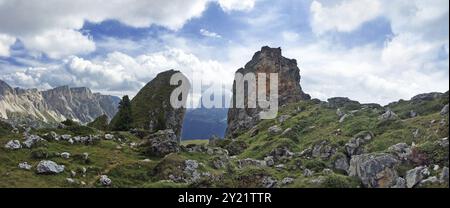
x=268 y=60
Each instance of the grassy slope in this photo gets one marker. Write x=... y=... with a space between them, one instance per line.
x=313 y=123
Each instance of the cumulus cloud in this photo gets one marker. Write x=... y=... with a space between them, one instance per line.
x=118 y=73
x=209 y=34
x=237 y=5
x=5 y=42
x=37 y=23
x=60 y=43
x=345 y=16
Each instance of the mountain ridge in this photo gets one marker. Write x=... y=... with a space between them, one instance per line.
x=54 y=105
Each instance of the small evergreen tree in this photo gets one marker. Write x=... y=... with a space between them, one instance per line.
x=123 y=118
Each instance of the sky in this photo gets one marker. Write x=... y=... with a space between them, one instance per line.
x=373 y=51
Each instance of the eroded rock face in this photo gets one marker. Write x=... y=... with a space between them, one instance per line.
x=268 y=60
x=375 y=170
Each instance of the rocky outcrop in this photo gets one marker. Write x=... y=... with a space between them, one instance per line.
x=375 y=170
x=356 y=145
x=54 y=105
x=161 y=143
x=151 y=108
x=268 y=60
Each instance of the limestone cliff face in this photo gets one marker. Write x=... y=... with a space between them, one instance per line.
x=268 y=60
x=55 y=105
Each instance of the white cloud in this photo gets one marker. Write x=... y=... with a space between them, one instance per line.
x=5 y=42
x=59 y=43
x=209 y=34
x=345 y=16
x=36 y=21
x=237 y=5
x=118 y=73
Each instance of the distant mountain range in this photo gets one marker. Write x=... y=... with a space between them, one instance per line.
x=203 y=123
x=36 y=107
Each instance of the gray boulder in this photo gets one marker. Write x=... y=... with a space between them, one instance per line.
x=105 y=181
x=388 y=115
x=401 y=150
x=25 y=166
x=376 y=170
x=281 y=153
x=444 y=110
x=49 y=167
x=269 y=161
x=414 y=176
x=287 y=181
x=65 y=155
x=269 y=182
x=341 y=163
x=161 y=143
x=13 y=145
x=31 y=140
x=399 y=183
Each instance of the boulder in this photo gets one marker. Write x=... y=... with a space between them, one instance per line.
x=66 y=137
x=376 y=170
x=190 y=170
x=388 y=115
x=49 y=167
x=323 y=150
x=65 y=155
x=355 y=145
x=13 y=145
x=399 y=183
x=161 y=143
x=269 y=161
x=274 y=130
x=25 y=166
x=343 y=118
x=444 y=110
x=341 y=163
x=251 y=162
x=401 y=150
x=268 y=182
x=287 y=181
x=109 y=136
x=414 y=176
x=105 y=181
x=31 y=140
x=281 y=153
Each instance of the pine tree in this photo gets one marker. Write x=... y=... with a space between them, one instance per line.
x=124 y=118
